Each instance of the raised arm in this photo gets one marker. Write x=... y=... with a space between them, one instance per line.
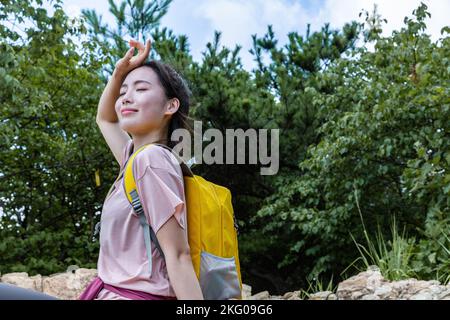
x=107 y=119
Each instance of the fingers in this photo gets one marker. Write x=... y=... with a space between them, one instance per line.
x=148 y=45
x=129 y=53
x=140 y=46
x=137 y=44
x=143 y=52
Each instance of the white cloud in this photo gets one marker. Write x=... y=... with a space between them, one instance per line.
x=73 y=9
x=439 y=17
x=239 y=19
x=338 y=12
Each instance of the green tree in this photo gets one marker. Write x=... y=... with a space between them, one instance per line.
x=50 y=146
x=296 y=75
x=385 y=136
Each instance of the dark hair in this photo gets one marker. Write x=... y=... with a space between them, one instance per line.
x=174 y=87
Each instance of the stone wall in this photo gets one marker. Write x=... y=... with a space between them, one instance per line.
x=68 y=285
x=369 y=285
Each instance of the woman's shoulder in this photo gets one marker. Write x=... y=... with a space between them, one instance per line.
x=157 y=157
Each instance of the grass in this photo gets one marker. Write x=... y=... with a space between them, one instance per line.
x=392 y=257
x=444 y=276
x=317 y=285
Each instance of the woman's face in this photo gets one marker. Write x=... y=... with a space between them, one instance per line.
x=142 y=92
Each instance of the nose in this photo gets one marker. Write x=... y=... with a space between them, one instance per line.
x=126 y=99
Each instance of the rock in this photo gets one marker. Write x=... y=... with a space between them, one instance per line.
x=370 y=297
x=373 y=268
x=368 y=285
x=436 y=290
x=357 y=295
x=332 y=297
x=264 y=295
x=374 y=279
x=422 y=296
x=246 y=291
x=360 y=285
x=323 y=295
x=69 y=285
x=72 y=268
x=406 y=289
x=21 y=279
x=383 y=292
x=444 y=295
x=296 y=295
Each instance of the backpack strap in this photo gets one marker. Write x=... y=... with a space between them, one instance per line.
x=130 y=187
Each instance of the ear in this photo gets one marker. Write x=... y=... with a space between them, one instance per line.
x=172 y=106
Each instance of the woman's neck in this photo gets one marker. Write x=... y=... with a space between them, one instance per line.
x=152 y=137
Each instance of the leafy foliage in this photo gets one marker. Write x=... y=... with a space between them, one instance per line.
x=385 y=134
x=50 y=144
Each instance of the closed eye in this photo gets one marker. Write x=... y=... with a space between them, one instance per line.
x=140 y=89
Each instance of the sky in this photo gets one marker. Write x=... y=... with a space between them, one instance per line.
x=239 y=19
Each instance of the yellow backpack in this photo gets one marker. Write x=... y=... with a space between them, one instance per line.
x=212 y=231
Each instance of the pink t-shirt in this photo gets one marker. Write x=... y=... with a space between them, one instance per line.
x=123 y=260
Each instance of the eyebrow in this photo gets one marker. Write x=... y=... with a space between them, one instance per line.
x=136 y=82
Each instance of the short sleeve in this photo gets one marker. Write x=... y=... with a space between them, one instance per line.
x=161 y=190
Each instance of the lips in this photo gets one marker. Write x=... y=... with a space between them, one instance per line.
x=128 y=111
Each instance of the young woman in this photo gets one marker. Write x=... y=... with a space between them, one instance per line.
x=147 y=100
